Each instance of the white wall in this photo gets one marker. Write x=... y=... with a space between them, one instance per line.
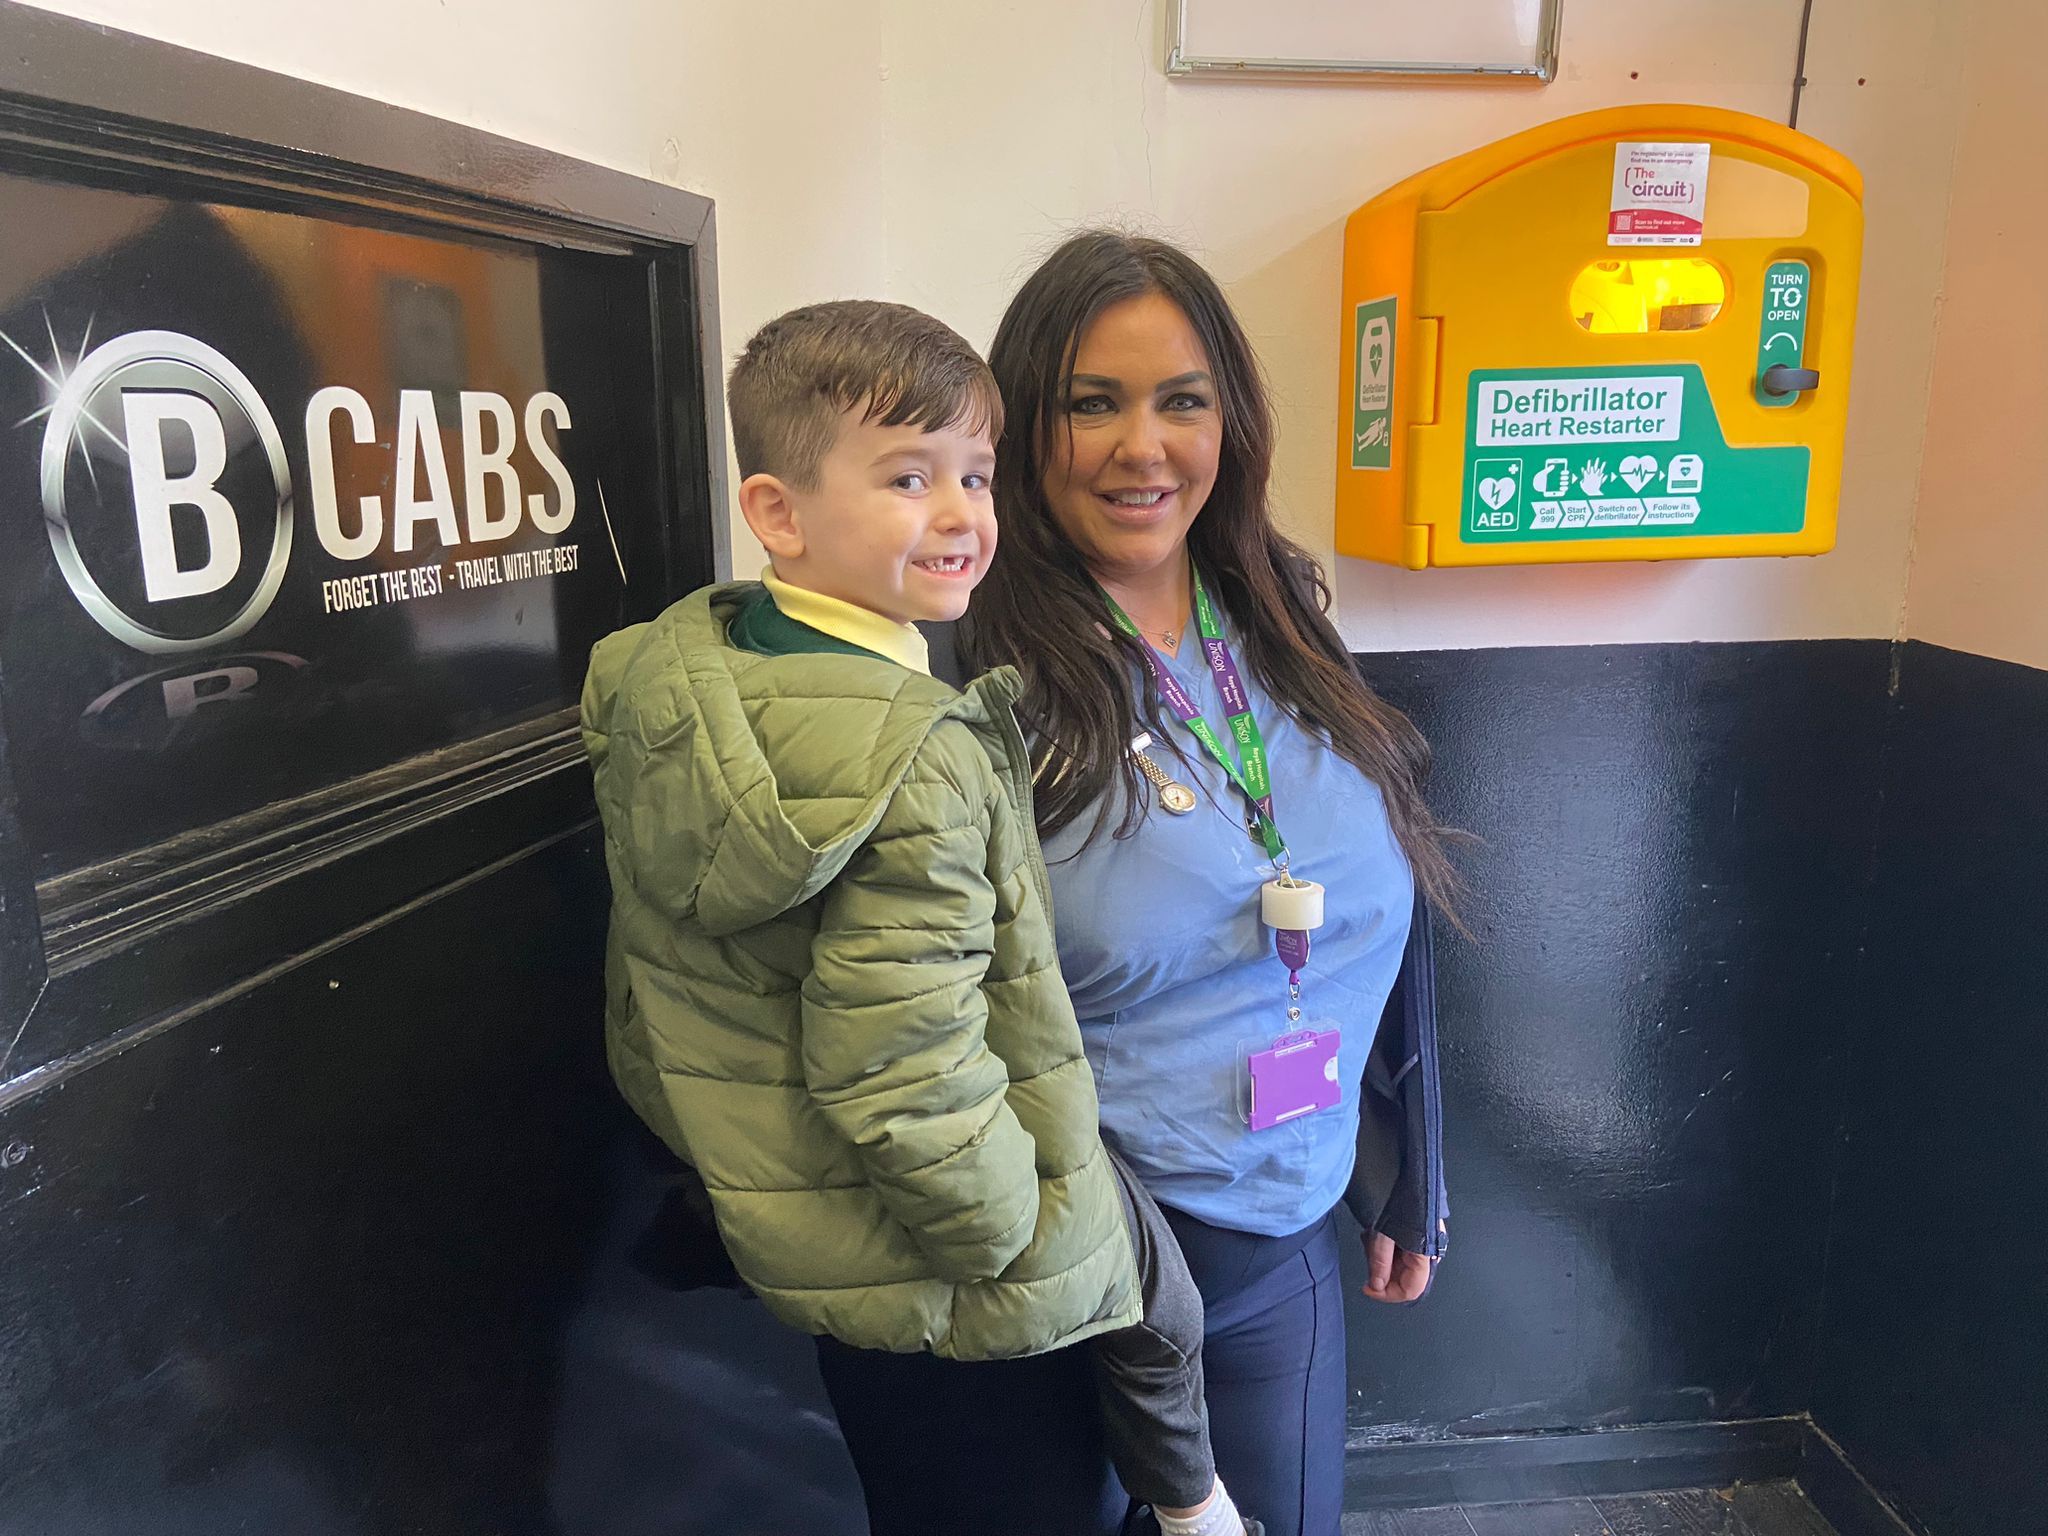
x=925 y=150
x=1980 y=567
x=773 y=108
x=1012 y=122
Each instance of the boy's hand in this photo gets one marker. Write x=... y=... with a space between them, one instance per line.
x=1394 y=1275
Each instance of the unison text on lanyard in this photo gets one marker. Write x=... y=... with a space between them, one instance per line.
x=1290 y=907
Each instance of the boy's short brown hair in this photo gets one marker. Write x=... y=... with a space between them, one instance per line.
x=803 y=370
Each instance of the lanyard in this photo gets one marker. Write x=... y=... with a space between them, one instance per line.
x=1254 y=780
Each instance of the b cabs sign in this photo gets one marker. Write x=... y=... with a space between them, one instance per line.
x=1621 y=336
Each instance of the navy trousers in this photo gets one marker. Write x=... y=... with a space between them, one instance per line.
x=1273 y=1356
x=1014 y=1447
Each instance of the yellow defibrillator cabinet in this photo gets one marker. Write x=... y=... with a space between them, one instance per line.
x=1620 y=336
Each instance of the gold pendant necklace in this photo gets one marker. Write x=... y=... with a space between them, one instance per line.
x=1168 y=637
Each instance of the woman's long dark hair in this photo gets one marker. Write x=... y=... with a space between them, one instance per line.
x=1040 y=611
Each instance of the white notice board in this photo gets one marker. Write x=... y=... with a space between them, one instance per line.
x=1387 y=38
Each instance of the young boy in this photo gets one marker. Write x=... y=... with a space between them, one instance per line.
x=832 y=987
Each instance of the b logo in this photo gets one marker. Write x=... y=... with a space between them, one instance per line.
x=195 y=699
x=200 y=454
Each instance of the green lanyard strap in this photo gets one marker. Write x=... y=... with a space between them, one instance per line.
x=1247 y=767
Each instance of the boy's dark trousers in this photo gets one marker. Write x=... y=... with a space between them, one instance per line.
x=1015 y=1438
x=1149 y=1375
x=1148 y=1382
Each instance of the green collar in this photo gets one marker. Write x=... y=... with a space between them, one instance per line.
x=766 y=630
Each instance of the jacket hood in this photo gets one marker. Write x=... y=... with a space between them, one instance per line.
x=679 y=725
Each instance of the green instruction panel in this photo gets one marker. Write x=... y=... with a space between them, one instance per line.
x=1782 y=335
x=1616 y=453
x=1372 y=412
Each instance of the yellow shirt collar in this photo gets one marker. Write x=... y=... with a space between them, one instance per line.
x=856 y=626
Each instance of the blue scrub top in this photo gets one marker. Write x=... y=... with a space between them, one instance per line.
x=1174 y=977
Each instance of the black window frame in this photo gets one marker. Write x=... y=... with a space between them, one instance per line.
x=100 y=958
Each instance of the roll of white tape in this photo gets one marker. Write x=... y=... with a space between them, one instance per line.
x=1299 y=905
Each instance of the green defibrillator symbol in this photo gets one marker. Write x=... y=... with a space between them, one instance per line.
x=1372 y=408
x=1559 y=454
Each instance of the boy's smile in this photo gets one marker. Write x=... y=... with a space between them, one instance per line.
x=900 y=522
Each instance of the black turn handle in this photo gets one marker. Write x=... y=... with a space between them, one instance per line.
x=1782 y=379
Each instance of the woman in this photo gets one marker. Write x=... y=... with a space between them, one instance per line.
x=1141 y=577
x=1137 y=453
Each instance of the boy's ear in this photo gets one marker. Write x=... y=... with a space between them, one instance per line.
x=770 y=510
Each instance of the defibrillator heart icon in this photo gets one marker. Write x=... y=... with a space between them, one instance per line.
x=1638 y=470
x=1497 y=491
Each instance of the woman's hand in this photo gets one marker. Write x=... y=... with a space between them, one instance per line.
x=1394 y=1275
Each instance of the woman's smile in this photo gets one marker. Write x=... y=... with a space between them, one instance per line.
x=1141 y=505
x=1135 y=457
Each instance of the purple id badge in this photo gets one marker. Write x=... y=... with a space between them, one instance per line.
x=1296 y=1076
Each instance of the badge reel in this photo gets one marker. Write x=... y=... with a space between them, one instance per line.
x=1296 y=1075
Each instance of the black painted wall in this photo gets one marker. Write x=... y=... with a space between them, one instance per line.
x=1645 y=1036
x=301 y=1263
x=1935 y=1359
x=349 y=1255
x=359 y=1258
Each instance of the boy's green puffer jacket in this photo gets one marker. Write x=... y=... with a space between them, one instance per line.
x=832 y=989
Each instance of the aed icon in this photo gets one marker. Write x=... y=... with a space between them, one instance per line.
x=1375 y=360
x=1496 y=494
